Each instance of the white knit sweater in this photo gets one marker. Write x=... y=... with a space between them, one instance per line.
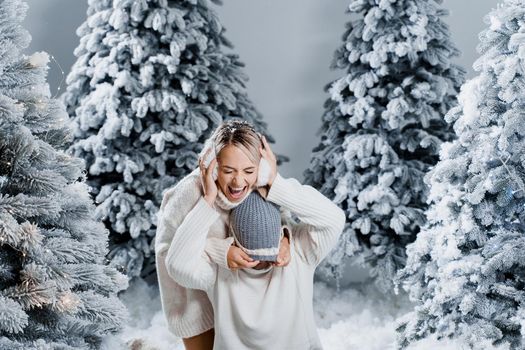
x=261 y=309
x=188 y=311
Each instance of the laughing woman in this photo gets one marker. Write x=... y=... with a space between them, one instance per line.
x=188 y=311
x=263 y=306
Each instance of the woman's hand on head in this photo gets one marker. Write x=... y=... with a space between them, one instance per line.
x=209 y=187
x=266 y=153
x=238 y=259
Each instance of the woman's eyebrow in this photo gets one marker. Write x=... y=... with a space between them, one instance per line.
x=229 y=167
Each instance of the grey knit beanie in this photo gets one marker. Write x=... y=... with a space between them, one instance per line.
x=256 y=227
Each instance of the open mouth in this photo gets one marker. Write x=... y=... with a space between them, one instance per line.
x=237 y=192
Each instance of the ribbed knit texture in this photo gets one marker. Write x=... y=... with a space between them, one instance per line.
x=246 y=310
x=224 y=203
x=256 y=226
x=320 y=215
x=196 y=223
x=188 y=311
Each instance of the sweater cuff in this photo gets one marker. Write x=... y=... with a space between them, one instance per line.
x=217 y=249
x=277 y=190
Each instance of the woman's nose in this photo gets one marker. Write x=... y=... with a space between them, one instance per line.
x=237 y=179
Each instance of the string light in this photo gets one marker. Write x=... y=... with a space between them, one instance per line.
x=512 y=175
x=63 y=75
x=69 y=301
x=40 y=104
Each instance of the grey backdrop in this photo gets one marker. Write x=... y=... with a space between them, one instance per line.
x=287 y=46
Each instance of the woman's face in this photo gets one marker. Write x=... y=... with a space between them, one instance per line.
x=236 y=173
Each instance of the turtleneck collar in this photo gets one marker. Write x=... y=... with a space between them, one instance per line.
x=221 y=200
x=224 y=203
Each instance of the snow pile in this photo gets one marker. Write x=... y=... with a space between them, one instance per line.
x=147 y=328
x=359 y=318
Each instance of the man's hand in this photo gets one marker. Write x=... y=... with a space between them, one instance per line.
x=284 y=257
x=238 y=259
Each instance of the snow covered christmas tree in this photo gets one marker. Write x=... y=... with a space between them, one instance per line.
x=383 y=126
x=57 y=289
x=150 y=85
x=466 y=270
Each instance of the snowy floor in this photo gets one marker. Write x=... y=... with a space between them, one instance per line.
x=358 y=318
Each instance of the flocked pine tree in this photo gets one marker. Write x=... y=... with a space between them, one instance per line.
x=150 y=84
x=57 y=289
x=382 y=128
x=466 y=269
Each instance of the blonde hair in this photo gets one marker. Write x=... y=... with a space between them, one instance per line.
x=239 y=133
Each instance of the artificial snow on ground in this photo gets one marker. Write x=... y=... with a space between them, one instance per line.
x=358 y=317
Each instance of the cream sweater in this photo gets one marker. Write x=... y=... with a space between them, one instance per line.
x=261 y=309
x=188 y=311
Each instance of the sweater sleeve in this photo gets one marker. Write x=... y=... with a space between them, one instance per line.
x=322 y=222
x=186 y=261
x=176 y=204
x=217 y=249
